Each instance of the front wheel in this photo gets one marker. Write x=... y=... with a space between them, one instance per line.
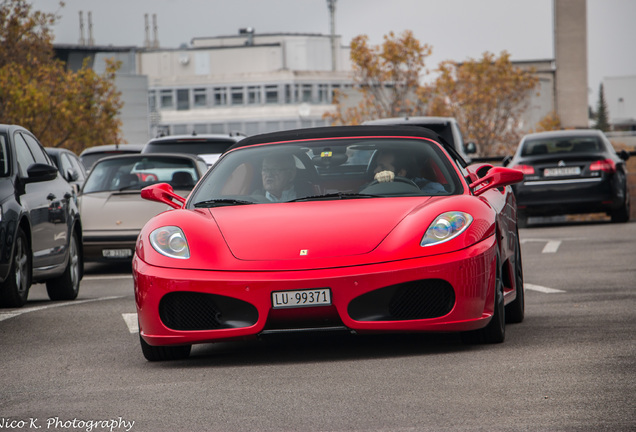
x=66 y=286
x=495 y=331
x=164 y=353
x=515 y=310
x=15 y=289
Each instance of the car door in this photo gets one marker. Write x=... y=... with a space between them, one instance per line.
x=46 y=202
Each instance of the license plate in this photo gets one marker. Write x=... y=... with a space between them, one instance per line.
x=312 y=297
x=117 y=253
x=561 y=171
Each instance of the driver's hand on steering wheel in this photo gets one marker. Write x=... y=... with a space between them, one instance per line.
x=384 y=176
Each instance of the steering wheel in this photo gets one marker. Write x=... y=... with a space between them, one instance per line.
x=395 y=179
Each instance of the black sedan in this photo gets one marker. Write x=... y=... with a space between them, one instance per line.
x=570 y=172
x=40 y=227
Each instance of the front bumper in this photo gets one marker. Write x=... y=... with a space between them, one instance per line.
x=444 y=293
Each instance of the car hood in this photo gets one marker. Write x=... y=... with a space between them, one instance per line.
x=286 y=231
x=108 y=211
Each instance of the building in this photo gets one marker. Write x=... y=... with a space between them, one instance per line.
x=248 y=82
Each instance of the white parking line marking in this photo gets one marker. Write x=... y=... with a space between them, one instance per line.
x=131 y=322
x=552 y=246
x=542 y=289
x=15 y=313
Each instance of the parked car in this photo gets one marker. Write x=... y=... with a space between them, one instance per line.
x=446 y=127
x=69 y=165
x=207 y=146
x=358 y=228
x=91 y=155
x=113 y=211
x=40 y=226
x=570 y=172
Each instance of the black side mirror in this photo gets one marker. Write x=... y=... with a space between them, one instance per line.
x=38 y=172
x=71 y=175
x=623 y=154
x=470 y=148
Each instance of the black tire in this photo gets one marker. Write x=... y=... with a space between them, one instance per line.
x=495 y=331
x=164 y=353
x=621 y=215
x=515 y=310
x=522 y=220
x=66 y=286
x=15 y=289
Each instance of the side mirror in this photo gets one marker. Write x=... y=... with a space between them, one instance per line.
x=38 y=172
x=71 y=175
x=470 y=148
x=496 y=177
x=163 y=193
x=623 y=154
x=506 y=160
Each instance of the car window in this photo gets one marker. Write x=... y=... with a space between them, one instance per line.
x=135 y=173
x=4 y=156
x=573 y=145
x=78 y=168
x=39 y=154
x=330 y=168
x=24 y=156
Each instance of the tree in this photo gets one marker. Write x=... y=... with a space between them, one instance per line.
x=62 y=108
x=601 y=114
x=550 y=122
x=387 y=78
x=486 y=96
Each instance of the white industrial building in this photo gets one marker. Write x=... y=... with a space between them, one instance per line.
x=248 y=82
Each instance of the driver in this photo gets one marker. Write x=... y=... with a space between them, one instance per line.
x=391 y=164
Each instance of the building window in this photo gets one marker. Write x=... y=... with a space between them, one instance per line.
x=254 y=95
x=179 y=129
x=166 y=99
x=220 y=96
x=200 y=98
x=183 y=99
x=217 y=128
x=290 y=93
x=271 y=94
x=237 y=95
x=200 y=128
x=323 y=93
x=306 y=93
x=152 y=101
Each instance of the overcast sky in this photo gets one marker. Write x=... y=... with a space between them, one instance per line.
x=456 y=29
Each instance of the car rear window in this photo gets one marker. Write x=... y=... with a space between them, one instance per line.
x=581 y=145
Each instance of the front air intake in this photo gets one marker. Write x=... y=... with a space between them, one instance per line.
x=199 y=311
x=421 y=299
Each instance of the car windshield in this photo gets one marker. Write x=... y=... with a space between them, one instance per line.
x=328 y=169
x=574 y=145
x=136 y=172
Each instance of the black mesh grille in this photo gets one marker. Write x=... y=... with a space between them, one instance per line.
x=422 y=299
x=199 y=311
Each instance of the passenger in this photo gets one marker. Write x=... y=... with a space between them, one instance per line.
x=391 y=164
x=278 y=174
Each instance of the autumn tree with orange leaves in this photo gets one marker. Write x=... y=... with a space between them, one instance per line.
x=387 y=78
x=487 y=97
x=62 y=108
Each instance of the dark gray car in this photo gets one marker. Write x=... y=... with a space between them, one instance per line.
x=40 y=227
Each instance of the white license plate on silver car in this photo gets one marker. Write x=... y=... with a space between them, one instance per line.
x=561 y=171
x=311 y=297
x=117 y=253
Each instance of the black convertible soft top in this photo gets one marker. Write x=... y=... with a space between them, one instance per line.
x=346 y=131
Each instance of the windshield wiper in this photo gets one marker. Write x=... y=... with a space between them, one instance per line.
x=336 y=195
x=220 y=203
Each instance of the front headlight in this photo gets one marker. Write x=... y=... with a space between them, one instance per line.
x=170 y=241
x=445 y=227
